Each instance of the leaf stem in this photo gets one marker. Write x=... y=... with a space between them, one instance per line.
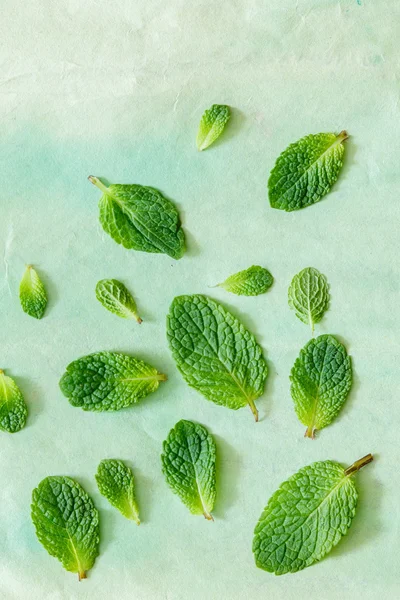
x=359 y=464
x=96 y=181
x=161 y=377
x=310 y=432
x=82 y=575
x=208 y=516
x=253 y=408
x=343 y=135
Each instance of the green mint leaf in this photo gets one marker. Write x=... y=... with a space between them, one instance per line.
x=306 y=171
x=251 y=282
x=32 y=294
x=108 y=381
x=188 y=463
x=212 y=124
x=66 y=523
x=116 y=483
x=116 y=298
x=13 y=410
x=306 y=517
x=140 y=218
x=321 y=380
x=215 y=353
x=308 y=296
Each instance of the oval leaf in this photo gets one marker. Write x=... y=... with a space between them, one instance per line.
x=306 y=517
x=251 y=282
x=13 y=410
x=116 y=298
x=188 y=463
x=116 y=483
x=212 y=124
x=321 y=380
x=108 y=381
x=306 y=171
x=66 y=523
x=140 y=218
x=308 y=296
x=32 y=294
x=215 y=353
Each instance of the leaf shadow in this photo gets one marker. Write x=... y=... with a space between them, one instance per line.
x=228 y=465
x=349 y=160
x=367 y=524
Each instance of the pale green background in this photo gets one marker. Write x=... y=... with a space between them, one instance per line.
x=117 y=90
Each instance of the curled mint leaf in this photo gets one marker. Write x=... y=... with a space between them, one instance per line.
x=321 y=380
x=13 y=410
x=250 y=282
x=308 y=296
x=212 y=124
x=306 y=517
x=108 y=381
x=116 y=298
x=306 y=171
x=32 y=294
x=66 y=523
x=116 y=483
x=188 y=463
x=140 y=218
x=215 y=353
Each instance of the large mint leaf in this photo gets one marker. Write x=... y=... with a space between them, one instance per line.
x=308 y=296
x=215 y=353
x=306 y=517
x=32 y=294
x=108 y=381
x=66 y=523
x=321 y=380
x=251 y=282
x=140 y=218
x=212 y=124
x=116 y=483
x=306 y=171
x=13 y=410
x=188 y=463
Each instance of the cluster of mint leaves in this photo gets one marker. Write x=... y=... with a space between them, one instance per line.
x=217 y=356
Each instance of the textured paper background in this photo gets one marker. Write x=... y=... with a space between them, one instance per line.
x=117 y=90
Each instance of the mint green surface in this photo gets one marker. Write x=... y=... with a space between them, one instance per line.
x=118 y=89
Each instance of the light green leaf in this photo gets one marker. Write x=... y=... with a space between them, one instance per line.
x=251 y=282
x=13 y=410
x=321 y=380
x=116 y=483
x=306 y=171
x=108 y=381
x=116 y=298
x=308 y=296
x=215 y=353
x=212 y=124
x=66 y=523
x=32 y=294
x=140 y=218
x=306 y=517
x=188 y=463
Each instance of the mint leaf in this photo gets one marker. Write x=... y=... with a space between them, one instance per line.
x=66 y=523
x=212 y=124
x=306 y=171
x=116 y=298
x=13 y=410
x=140 y=218
x=108 y=381
x=32 y=294
x=215 y=353
x=251 y=282
x=115 y=482
x=188 y=463
x=309 y=296
x=306 y=517
x=321 y=380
